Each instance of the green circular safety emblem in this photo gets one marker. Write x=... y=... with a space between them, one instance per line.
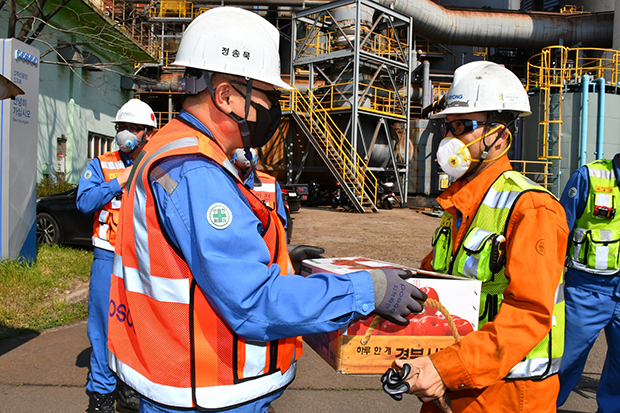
x=219 y=216
x=572 y=192
x=88 y=174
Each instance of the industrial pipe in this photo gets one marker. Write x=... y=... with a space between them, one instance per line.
x=585 y=85
x=505 y=29
x=600 y=121
x=426 y=83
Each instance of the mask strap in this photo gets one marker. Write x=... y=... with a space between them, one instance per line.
x=485 y=152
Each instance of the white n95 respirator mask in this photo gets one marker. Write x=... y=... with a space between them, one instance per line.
x=454 y=157
x=126 y=141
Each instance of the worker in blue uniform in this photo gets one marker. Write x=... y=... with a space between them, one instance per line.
x=99 y=193
x=592 y=292
x=216 y=247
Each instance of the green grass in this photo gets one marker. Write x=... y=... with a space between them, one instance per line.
x=32 y=297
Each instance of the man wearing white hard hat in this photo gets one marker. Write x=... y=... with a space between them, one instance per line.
x=510 y=233
x=99 y=193
x=208 y=310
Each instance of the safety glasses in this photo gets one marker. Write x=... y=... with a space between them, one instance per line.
x=128 y=126
x=460 y=127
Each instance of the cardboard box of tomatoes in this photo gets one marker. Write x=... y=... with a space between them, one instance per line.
x=370 y=344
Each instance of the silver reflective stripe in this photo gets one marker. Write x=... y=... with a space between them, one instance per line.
x=470 y=267
x=139 y=207
x=103 y=215
x=103 y=244
x=500 y=199
x=164 y=180
x=601 y=257
x=112 y=165
x=581 y=267
x=223 y=396
x=600 y=173
x=169 y=290
x=255 y=358
x=476 y=239
x=559 y=293
x=103 y=231
x=216 y=397
x=605 y=200
x=116 y=203
x=532 y=368
x=266 y=187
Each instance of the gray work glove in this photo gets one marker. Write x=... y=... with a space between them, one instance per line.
x=298 y=253
x=395 y=298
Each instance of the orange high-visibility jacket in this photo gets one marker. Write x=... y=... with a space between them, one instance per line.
x=106 y=219
x=165 y=339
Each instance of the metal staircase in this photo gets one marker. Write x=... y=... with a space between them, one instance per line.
x=349 y=169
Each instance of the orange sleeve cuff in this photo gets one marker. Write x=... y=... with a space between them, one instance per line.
x=451 y=369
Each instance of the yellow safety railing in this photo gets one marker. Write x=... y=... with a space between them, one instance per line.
x=537 y=171
x=570 y=9
x=339 y=96
x=172 y=8
x=551 y=71
x=318 y=43
x=164 y=117
x=351 y=167
x=546 y=68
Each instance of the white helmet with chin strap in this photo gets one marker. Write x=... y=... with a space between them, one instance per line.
x=138 y=112
x=485 y=87
x=233 y=41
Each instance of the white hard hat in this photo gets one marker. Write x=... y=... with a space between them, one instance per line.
x=484 y=87
x=138 y=112
x=233 y=41
x=242 y=161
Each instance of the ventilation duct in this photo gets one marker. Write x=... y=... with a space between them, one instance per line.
x=505 y=29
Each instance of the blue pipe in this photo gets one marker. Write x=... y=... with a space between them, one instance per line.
x=585 y=83
x=600 y=121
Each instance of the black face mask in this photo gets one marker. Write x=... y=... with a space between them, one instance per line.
x=257 y=133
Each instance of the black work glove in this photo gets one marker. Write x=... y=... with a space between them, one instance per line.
x=395 y=298
x=298 y=253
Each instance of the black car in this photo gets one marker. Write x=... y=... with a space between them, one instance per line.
x=60 y=222
x=297 y=193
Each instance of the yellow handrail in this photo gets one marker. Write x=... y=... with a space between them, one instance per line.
x=537 y=171
x=353 y=170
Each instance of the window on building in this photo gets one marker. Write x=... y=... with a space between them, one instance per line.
x=98 y=144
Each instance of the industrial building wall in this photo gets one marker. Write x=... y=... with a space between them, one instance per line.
x=571 y=131
x=72 y=104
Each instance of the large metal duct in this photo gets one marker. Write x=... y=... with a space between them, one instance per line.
x=505 y=29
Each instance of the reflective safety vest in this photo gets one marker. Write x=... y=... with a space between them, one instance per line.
x=106 y=219
x=595 y=244
x=165 y=339
x=481 y=256
x=267 y=192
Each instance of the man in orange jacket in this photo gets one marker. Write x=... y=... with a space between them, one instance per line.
x=511 y=234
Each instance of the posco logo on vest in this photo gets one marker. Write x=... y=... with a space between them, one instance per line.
x=26 y=57
x=121 y=313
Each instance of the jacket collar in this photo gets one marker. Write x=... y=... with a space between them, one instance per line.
x=465 y=195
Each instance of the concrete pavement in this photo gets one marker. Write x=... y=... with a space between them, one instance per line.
x=47 y=372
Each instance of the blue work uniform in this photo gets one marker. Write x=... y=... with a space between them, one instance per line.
x=592 y=304
x=229 y=265
x=94 y=192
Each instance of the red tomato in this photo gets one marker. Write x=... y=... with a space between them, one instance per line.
x=430 y=292
x=359 y=327
x=431 y=325
x=463 y=326
x=388 y=328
